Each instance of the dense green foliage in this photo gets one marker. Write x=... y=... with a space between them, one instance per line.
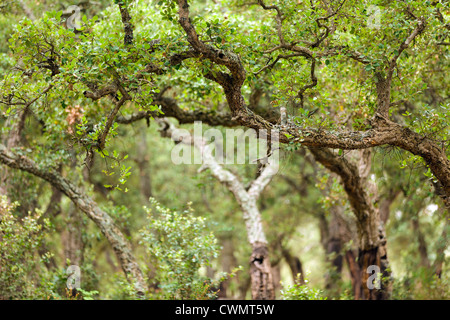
x=51 y=82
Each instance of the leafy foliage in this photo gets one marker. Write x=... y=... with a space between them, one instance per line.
x=21 y=273
x=46 y=71
x=181 y=245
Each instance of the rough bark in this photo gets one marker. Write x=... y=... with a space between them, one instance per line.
x=170 y=108
x=244 y=285
x=72 y=238
x=370 y=257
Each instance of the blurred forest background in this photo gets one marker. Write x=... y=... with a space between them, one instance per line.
x=84 y=185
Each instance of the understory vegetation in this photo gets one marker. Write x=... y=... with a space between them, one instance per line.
x=126 y=136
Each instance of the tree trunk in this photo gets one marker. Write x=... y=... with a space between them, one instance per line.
x=332 y=242
x=143 y=163
x=73 y=239
x=228 y=263
x=355 y=274
x=374 y=257
x=276 y=275
x=260 y=273
x=385 y=204
x=260 y=270
x=442 y=246
x=372 y=252
x=423 y=250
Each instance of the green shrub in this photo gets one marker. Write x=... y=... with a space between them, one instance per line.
x=179 y=245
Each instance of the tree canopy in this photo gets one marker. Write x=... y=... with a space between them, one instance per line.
x=357 y=92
